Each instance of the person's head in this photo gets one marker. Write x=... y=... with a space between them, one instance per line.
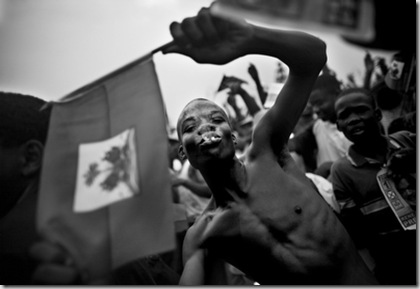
x=357 y=115
x=400 y=74
x=385 y=97
x=205 y=133
x=23 y=132
x=323 y=95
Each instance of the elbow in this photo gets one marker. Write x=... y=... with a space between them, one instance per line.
x=321 y=54
x=313 y=58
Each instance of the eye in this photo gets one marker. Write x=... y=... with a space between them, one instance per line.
x=218 y=119
x=188 y=128
x=342 y=115
x=362 y=109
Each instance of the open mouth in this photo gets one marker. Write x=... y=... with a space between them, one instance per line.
x=210 y=139
x=357 y=130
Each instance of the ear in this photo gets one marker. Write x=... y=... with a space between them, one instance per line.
x=32 y=152
x=234 y=139
x=378 y=114
x=181 y=153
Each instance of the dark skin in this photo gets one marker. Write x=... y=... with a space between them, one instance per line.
x=267 y=220
x=253 y=72
x=358 y=119
x=20 y=167
x=322 y=102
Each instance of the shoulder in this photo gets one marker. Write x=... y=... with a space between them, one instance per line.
x=342 y=175
x=341 y=168
x=406 y=122
x=341 y=164
x=404 y=138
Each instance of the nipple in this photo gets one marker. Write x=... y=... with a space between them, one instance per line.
x=298 y=210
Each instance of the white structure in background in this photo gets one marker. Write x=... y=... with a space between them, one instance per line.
x=273 y=91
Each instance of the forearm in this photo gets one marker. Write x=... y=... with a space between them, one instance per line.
x=250 y=102
x=199 y=189
x=232 y=102
x=261 y=92
x=194 y=273
x=305 y=55
x=301 y=52
x=366 y=81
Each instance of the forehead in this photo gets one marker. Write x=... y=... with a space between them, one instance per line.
x=353 y=99
x=198 y=107
x=319 y=95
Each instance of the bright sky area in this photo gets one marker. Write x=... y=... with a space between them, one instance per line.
x=49 y=48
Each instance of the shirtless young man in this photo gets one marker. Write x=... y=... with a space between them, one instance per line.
x=267 y=219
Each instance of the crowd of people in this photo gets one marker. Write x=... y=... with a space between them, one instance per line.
x=318 y=189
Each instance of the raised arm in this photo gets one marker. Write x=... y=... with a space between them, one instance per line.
x=249 y=101
x=305 y=55
x=369 y=67
x=209 y=39
x=252 y=70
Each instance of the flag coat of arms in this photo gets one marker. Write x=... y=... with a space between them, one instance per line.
x=105 y=193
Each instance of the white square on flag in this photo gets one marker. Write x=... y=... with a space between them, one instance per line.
x=107 y=172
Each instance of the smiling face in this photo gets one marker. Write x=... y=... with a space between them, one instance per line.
x=205 y=133
x=357 y=117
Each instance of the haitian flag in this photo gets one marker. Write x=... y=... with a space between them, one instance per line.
x=105 y=193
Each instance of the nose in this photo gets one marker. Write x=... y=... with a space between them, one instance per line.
x=353 y=118
x=206 y=127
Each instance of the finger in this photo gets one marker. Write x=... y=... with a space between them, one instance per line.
x=49 y=274
x=208 y=28
x=180 y=39
x=192 y=32
x=223 y=223
x=49 y=252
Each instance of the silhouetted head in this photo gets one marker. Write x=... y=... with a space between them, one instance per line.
x=323 y=95
x=23 y=132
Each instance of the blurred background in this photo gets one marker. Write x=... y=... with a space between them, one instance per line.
x=49 y=48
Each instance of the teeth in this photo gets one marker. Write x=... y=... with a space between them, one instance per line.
x=211 y=138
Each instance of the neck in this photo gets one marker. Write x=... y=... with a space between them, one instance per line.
x=15 y=194
x=376 y=148
x=223 y=178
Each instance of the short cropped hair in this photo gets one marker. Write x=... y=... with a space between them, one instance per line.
x=327 y=82
x=21 y=119
x=357 y=90
x=385 y=97
x=182 y=114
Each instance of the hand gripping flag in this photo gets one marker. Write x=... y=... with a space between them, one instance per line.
x=105 y=193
